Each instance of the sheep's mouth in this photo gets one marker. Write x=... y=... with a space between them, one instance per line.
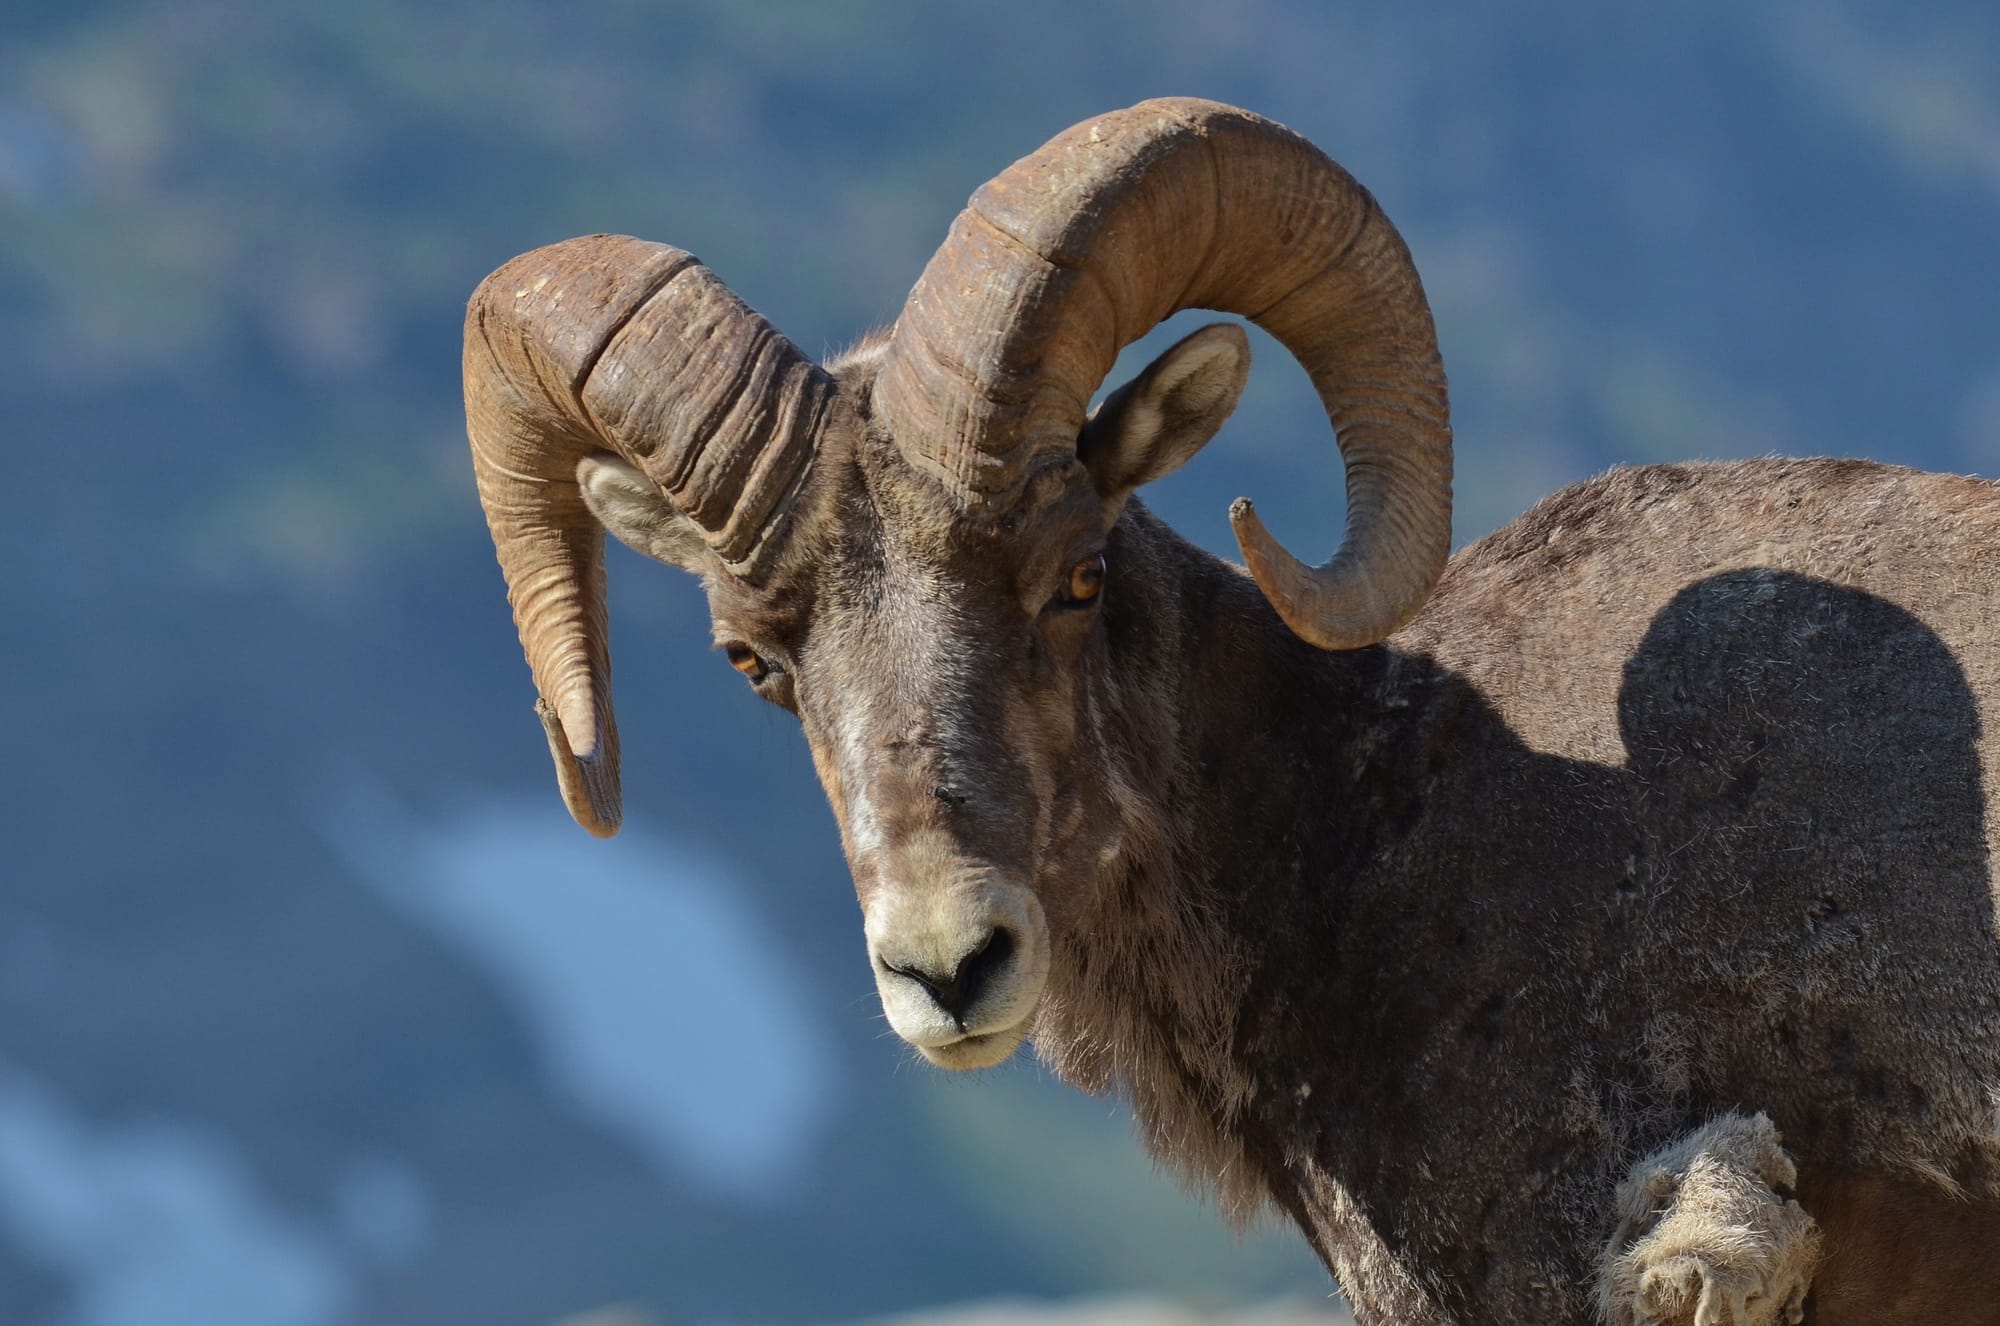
x=959 y=968
x=986 y=1049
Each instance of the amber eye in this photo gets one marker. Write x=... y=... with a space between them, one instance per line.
x=1086 y=579
x=746 y=661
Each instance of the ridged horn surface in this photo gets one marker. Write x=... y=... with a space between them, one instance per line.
x=1075 y=251
x=607 y=343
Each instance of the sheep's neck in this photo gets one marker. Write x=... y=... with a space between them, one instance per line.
x=1212 y=991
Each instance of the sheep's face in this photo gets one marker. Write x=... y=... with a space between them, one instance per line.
x=954 y=674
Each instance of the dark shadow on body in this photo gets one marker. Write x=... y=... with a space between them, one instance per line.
x=1549 y=967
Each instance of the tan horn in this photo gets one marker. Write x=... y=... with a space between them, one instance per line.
x=1075 y=251
x=607 y=343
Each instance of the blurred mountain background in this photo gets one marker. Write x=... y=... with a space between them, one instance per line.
x=314 y=1008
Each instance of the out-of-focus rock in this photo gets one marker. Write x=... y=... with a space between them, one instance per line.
x=609 y=1317
x=1125 y=1311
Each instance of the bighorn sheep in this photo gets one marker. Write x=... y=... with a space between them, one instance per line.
x=1599 y=925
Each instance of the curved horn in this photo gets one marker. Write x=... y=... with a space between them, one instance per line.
x=1078 y=250
x=607 y=343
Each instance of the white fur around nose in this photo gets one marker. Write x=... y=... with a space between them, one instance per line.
x=931 y=925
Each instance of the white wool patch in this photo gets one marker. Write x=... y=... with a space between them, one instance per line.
x=1704 y=1240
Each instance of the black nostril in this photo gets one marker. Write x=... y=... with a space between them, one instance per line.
x=977 y=968
x=969 y=978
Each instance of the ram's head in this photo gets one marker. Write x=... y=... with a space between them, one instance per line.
x=924 y=549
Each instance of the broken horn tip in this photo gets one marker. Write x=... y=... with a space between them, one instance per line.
x=576 y=720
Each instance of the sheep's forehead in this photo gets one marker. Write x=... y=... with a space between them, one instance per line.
x=872 y=534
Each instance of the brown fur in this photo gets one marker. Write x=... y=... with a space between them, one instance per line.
x=1669 y=808
x=1904 y=1251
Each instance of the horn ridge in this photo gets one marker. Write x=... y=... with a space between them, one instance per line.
x=1121 y=221
x=609 y=343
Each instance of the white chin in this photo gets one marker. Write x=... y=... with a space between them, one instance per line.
x=974 y=1052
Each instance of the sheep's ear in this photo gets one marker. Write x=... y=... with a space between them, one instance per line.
x=639 y=516
x=1152 y=425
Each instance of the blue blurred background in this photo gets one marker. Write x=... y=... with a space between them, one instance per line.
x=314 y=1008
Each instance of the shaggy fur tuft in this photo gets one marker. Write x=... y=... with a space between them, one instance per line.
x=1708 y=1236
